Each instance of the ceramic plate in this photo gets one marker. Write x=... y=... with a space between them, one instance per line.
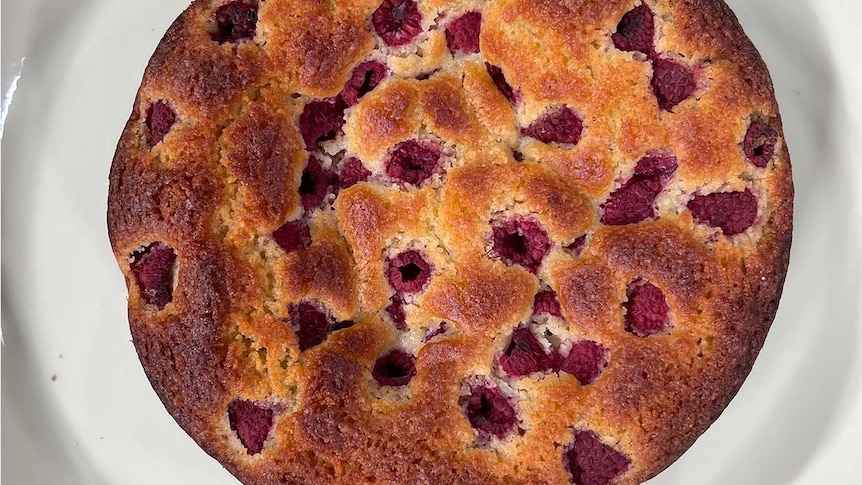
x=77 y=409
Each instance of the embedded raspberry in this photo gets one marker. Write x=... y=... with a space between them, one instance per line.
x=342 y=325
x=647 y=311
x=518 y=156
x=591 y=462
x=413 y=161
x=153 y=268
x=293 y=236
x=397 y=22
x=251 y=423
x=546 y=302
x=636 y=31
x=310 y=324
x=732 y=212
x=462 y=34
x=489 y=411
x=522 y=242
x=160 y=119
x=235 y=21
x=409 y=272
x=577 y=246
x=396 y=312
x=315 y=184
x=352 y=173
x=586 y=361
x=500 y=81
x=672 y=83
x=525 y=355
x=759 y=143
x=440 y=330
x=635 y=200
x=560 y=125
x=395 y=368
x=321 y=120
x=365 y=77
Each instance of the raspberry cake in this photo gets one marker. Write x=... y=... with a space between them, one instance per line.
x=501 y=241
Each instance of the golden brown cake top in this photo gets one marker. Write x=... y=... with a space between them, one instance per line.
x=502 y=241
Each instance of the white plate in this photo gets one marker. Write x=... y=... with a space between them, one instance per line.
x=797 y=420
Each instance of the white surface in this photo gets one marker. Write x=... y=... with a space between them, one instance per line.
x=797 y=420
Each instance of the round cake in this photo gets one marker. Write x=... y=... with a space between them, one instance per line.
x=451 y=241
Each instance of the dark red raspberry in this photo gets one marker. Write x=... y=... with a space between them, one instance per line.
x=521 y=241
x=396 y=312
x=431 y=334
x=636 y=31
x=352 y=173
x=591 y=462
x=408 y=272
x=672 y=83
x=153 y=268
x=396 y=368
x=413 y=161
x=293 y=236
x=578 y=245
x=235 y=21
x=462 y=34
x=321 y=120
x=500 y=81
x=489 y=411
x=310 y=324
x=586 y=361
x=546 y=302
x=647 y=311
x=759 y=144
x=366 y=76
x=732 y=212
x=251 y=423
x=397 y=22
x=518 y=156
x=160 y=119
x=315 y=184
x=560 y=125
x=525 y=355
x=635 y=200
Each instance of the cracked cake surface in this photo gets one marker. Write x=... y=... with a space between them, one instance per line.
x=451 y=241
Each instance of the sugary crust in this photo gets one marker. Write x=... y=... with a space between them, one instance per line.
x=226 y=176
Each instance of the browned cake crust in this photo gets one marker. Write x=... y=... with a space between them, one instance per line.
x=229 y=171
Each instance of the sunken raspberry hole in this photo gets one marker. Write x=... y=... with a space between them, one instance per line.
x=396 y=312
x=586 y=361
x=160 y=119
x=672 y=83
x=759 y=143
x=647 y=311
x=365 y=77
x=732 y=212
x=321 y=121
x=395 y=368
x=559 y=125
x=635 y=200
x=251 y=422
x=489 y=411
x=546 y=302
x=636 y=31
x=500 y=81
x=235 y=21
x=432 y=333
x=293 y=236
x=352 y=173
x=413 y=161
x=153 y=268
x=591 y=462
x=520 y=241
x=578 y=245
x=310 y=324
x=525 y=355
x=409 y=272
x=397 y=22
x=462 y=34
x=315 y=184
